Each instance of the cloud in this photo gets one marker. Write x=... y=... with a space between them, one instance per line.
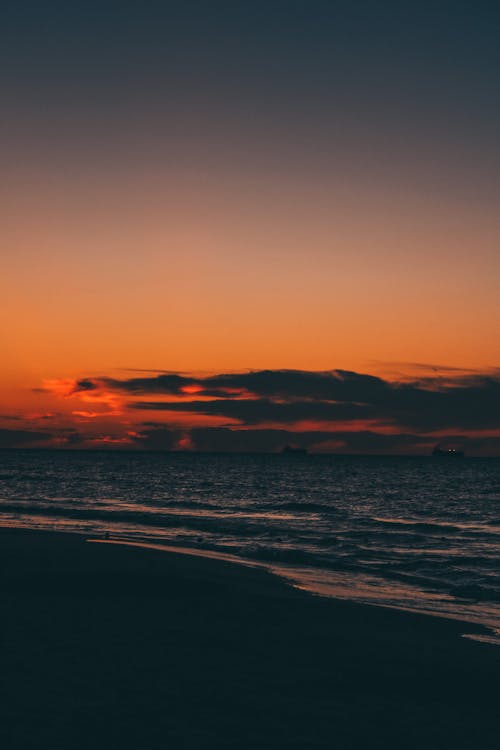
x=284 y=396
x=472 y=402
x=331 y=385
x=354 y=411
x=22 y=438
x=156 y=436
x=274 y=440
x=170 y=384
x=85 y=385
x=255 y=411
x=160 y=438
x=87 y=390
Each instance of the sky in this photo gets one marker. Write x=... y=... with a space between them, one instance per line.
x=213 y=190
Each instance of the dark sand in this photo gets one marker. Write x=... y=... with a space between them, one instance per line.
x=116 y=647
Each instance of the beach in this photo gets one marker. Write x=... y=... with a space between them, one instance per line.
x=113 y=646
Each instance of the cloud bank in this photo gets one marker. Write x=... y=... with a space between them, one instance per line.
x=338 y=411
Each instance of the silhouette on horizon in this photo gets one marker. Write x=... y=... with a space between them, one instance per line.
x=451 y=452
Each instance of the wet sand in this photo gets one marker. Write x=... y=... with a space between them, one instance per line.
x=108 y=646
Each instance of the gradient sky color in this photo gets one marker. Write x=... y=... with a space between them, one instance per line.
x=220 y=187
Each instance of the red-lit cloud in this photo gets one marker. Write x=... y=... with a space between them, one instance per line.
x=336 y=410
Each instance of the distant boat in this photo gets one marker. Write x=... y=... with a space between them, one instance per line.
x=447 y=452
x=289 y=450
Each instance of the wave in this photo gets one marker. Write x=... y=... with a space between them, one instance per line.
x=309 y=507
x=426 y=526
x=224 y=523
x=475 y=592
x=22 y=477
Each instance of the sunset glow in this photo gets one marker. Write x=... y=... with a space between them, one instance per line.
x=161 y=215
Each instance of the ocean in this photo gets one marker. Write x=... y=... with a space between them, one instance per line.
x=420 y=534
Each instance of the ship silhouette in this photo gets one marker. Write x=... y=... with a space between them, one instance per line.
x=448 y=452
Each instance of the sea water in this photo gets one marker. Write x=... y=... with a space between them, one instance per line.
x=415 y=533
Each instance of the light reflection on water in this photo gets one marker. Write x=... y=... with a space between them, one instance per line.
x=414 y=533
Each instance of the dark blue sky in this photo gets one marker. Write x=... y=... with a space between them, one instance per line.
x=380 y=65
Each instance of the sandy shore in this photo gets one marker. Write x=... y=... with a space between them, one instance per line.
x=107 y=646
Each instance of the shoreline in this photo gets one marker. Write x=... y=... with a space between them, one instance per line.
x=113 y=645
x=291 y=576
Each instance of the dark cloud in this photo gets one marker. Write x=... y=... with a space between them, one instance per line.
x=255 y=411
x=283 y=396
x=425 y=366
x=479 y=446
x=337 y=385
x=241 y=441
x=86 y=385
x=72 y=438
x=22 y=438
x=269 y=440
x=334 y=385
x=158 y=438
x=455 y=403
x=170 y=384
x=472 y=403
x=235 y=440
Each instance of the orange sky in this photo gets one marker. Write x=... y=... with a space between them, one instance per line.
x=323 y=196
x=232 y=274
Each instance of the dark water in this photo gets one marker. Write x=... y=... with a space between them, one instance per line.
x=420 y=533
